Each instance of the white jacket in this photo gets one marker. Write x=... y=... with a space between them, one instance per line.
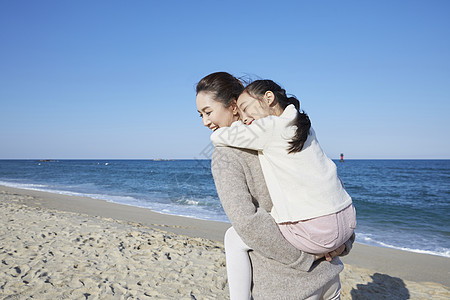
x=302 y=185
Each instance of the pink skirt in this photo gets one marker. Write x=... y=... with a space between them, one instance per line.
x=322 y=234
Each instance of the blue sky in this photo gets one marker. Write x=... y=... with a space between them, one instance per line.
x=115 y=79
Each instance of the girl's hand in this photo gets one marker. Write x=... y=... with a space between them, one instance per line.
x=330 y=255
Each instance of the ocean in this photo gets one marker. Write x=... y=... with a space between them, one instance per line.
x=401 y=204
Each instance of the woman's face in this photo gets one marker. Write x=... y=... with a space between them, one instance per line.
x=213 y=113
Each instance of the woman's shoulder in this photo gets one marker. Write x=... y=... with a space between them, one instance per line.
x=224 y=157
x=233 y=153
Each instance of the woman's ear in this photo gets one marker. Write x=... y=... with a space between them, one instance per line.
x=269 y=98
x=234 y=107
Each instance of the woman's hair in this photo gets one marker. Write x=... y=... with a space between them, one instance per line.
x=258 y=88
x=224 y=87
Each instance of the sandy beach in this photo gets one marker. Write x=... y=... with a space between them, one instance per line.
x=64 y=247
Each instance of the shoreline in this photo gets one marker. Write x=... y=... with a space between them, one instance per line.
x=213 y=230
x=186 y=193
x=210 y=235
x=396 y=262
x=365 y=263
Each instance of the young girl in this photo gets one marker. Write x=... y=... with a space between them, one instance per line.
x=310 y=204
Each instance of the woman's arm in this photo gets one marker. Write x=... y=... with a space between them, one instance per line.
x=348 y=245
x=342 y=250
x=253 y=224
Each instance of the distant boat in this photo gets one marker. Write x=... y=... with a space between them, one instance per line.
x=161 y=159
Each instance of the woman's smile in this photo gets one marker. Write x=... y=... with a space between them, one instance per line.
x=213 y=113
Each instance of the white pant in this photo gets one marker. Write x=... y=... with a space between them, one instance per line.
x=239 y=271
x=239 y=268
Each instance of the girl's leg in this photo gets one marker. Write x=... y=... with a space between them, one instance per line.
x=322 y=234
x=239 y=269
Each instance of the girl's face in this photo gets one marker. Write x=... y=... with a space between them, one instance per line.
x=213 y=113
x=251 y=108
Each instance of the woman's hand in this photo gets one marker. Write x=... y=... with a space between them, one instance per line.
x=330 y=255
x=316 y=257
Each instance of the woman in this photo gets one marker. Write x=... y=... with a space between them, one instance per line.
x=280 y=271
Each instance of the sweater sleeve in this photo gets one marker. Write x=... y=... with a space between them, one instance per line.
x=348 y=245
x=254 y=136
x=253 y=224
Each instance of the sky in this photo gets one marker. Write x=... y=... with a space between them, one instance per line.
x=116 y=79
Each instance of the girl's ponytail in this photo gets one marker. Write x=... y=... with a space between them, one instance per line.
x=303 y=125
x=294 y=101
x=258 y=88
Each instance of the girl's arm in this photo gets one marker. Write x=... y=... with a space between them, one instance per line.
x=254 y=136
x=253 y=224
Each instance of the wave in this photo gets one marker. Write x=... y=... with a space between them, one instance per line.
x=25 y=186
x=365 y=239
x=186 y=207
x=49 y=189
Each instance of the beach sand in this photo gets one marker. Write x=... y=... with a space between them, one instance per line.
x=64 y=247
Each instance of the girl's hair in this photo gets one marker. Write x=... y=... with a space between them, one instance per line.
x=224 y=87
x=258 y=88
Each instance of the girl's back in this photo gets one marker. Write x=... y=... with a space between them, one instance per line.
x=302 y=185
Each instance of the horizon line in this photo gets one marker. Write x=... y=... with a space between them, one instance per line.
x=171 y=159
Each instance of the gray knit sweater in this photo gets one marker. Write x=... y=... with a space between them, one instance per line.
x=280 y=271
